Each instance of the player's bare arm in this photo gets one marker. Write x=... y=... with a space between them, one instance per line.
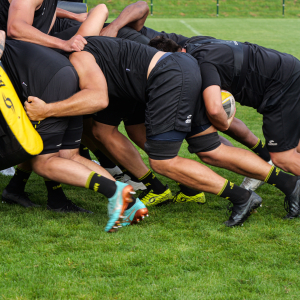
x=19 y=27
x=133 y=15
x=2 y=42
x=214 y=108
x=61 y=13
x=93 y=96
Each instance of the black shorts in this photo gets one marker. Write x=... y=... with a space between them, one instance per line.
x=61 y=25
x=281 y=125
x=131 y=113
x=174 y=95
x=41 y=72
x=60 y=133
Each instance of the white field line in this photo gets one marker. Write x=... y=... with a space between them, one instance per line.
x=190 y=27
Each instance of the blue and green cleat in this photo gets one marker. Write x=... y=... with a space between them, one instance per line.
x=117 y=204
x=135 y=213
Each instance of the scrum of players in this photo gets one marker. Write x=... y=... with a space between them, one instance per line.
x=79 y=77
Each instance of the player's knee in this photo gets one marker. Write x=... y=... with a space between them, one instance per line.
x=143 y=5
x=162 y=167
x=102 y=8
x=42 y=166
x=72 y=154
x=281 y=161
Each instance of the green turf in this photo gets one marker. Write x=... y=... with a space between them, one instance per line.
x=207 y=8
x=181 y=251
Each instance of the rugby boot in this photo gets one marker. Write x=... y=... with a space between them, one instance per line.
x=252 y=184
x=240 y=212
x=17 y=198
x=292 y=203
x=8 y=172
x=151 y=199
x=180 y=197
x=69 y=207
x=117 y=204
x=136 y=213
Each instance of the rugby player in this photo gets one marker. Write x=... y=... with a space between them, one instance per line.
x=262 y=78
x=170 y=85
x=134 y=16
x=32 y=21
x=60 y=160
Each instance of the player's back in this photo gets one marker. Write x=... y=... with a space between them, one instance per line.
x=124 y=64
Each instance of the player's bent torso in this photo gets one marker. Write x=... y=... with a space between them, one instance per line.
x=30 y=67
x=266 y=72
x=124 y=65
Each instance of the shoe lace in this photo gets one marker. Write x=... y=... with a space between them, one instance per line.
x=145 y=195
x=175 y=197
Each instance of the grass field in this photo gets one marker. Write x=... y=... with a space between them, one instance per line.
x=181 y=251
x=207 y=8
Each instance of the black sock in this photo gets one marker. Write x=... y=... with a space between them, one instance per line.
x=125 y=171
x=84 y=151
x=187 y=190
x=56 y=195
x=283 y=181
x=261 y=150
x=152 y=183
x=234 y=193
x=104 y=160
x=101 y=184
x=18 y=182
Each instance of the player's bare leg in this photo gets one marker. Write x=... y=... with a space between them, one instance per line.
x=70 y=172
x=288 y=161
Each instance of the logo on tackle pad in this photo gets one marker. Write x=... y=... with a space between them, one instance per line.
x=8 y=103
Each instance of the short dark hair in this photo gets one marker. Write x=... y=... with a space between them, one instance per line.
x=164 y=44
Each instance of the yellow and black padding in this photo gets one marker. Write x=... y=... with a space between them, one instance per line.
x=19 y=141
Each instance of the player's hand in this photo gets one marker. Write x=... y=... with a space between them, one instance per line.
x=2 y=42
x=81 y=17
x=231 y=118
x=35 y=108
x=109 y=30
x=76 y=43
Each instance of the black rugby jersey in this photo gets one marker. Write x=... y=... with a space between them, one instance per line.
x=267 y=71
x=124 y=64
x=31 y=67
x=42 y=17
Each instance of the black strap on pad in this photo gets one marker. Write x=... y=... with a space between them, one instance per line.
x=204 y=143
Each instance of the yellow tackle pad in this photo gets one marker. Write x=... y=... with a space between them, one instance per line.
x=19 y=141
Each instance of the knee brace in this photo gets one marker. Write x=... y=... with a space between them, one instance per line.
x=204 y=143
x=161 y=150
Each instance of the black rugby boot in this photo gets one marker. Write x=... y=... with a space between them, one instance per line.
x=69 y=207
x=292 y=202
x=17 y=198
x=240 y=212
